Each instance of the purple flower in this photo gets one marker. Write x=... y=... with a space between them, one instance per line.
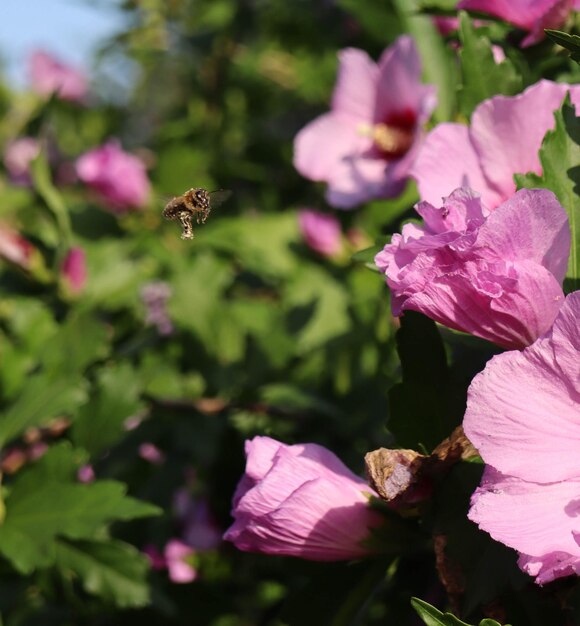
x=74 y=270
x=154 y=296
x=321 y=232
x=199 y=528
x=529 y=15
x=119 y=178
x=48 y=76
x=364 y=146
x=495 y=275
x=522 y=415
x=300 y=501
x=505 y=135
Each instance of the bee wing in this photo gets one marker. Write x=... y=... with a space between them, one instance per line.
x=217 y=198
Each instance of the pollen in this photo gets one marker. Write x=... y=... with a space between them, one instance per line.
x=392 y=140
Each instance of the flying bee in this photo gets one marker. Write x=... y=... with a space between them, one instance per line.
x=194 y=203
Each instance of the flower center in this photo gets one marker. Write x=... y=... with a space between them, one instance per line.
x=395 y=135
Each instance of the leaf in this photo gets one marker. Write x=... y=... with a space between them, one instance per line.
x=425 y=407
x=112 y=570
x=42 y=399
x=79 y=341
x=40 y=172
x=433 y=617
x=46 y=502
x=570 y=42
x=560 y=159
x=319 y=308
x=100 y=422
x=482 y=76
x=38 y=512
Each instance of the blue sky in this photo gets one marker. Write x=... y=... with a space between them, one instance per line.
x=71 y=29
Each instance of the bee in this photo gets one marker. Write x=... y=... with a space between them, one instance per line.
x=194 y=203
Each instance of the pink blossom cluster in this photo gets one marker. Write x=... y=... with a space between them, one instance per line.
x=486 y=259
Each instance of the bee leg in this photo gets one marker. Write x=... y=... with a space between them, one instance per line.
x=185 y=219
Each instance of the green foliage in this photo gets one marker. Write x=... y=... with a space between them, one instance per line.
x=482 y=76
x=424 y=407
x=566 y=40
x=44 y=504
x=112 y=570
x=433 y=617
x=559 y=156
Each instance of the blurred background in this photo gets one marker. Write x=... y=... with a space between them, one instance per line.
x=133 y=362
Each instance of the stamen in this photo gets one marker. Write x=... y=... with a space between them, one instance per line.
x=392 y=140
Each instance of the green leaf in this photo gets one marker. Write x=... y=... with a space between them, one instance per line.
x=367 y=256
x=319 y=308
x=425 y=407
x=116 y=397
x=560 y=159
x=482 y=76
x=38 y=511
x=112 y=570
x=40 y=172
x=570 y=42
x=42 y=399
x=80 y=341
x=432 y=616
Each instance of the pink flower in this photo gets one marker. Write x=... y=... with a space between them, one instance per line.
x=48 y=76
x=300 y=501
x=16 y=249
x=119 y=178
x=150 y=452
x=495 y=275
x=504 y=138
x=74 y=270
x=17 y=157
x=529 y=15
x=174 y=558
x=177 y=554
x=321 y=232
x=522 y=415
x=364 y=146
x=86 y=474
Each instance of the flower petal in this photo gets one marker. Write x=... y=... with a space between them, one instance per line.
x=323 y=145
x=447 y=160
x=507 y=132
x=536 y=519
x=354 y=93
x=522 y=414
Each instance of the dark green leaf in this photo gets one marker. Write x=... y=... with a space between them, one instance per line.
x=113 y=570
x=570 y=42
x=41 y=400
x=433 y=617
x=100 y=422
x=560 y=159
x=425 y=407
x=482 y=76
